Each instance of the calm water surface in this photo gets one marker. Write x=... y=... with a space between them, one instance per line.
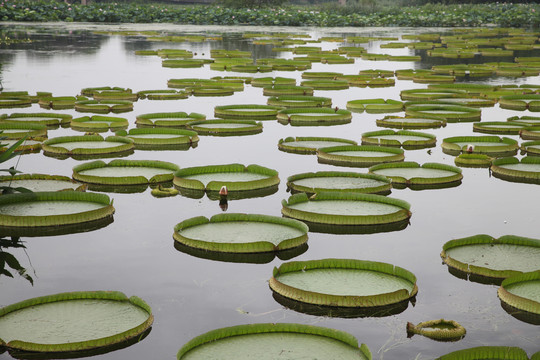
x=190 y=295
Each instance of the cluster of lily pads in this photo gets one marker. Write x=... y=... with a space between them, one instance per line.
x=329 y=201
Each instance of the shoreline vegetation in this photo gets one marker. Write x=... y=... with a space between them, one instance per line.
x=500 y=14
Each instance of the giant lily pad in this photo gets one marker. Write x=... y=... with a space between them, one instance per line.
x=98 y=123
x=522 y=292
x=404 y=138
x=359 y=156
x=125 y=172
x=483 y=255
x=487 y=353
x=252 y=112
x=299 y=101
x=51 y=212
x=76 y=321
x=236 y=177
x=161 y=138
x=345 y=208
x=87 y=146
x=410 y=122
x=314 y=116
x=326 y=181
x=428 y=175
x=271 y=341
x=344 y=282
x=530 y=133
x=499 y=127
x=174 y=119
x=440 y=330
x=241 y=233
x=222 y=127
x=511 y=169
x=48 y=119
x=309 y=145
x=529 y=102
x=40 y=182
x=450 y=113
x=530 y=147
x=13 y=130
x=487 y=145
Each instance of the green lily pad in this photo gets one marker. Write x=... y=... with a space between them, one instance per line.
x=75 y=321
x=359 y=155
x=401 y=138
x=40 y=182
x=487 y=145
x=326 y=181
x=522 y=291
x=309 y=145
x=511 y=169
x=428 y=175
x=222 y=127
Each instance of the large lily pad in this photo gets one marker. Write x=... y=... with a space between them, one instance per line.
x=359 y=156
x=487 y=145
x=512 y=169
x=344 y=282
x=404 y=138
x=161 y=138
x=226 y=127
x=40 y=182
x=241 y=233
x=418 y=176
x=326 y=181
x=343 y=208
x=75 y=321
x=309 y=145
x=483 y=255
x=487 y=353
x=87 y=145
x=522 y=291
x=271 y=341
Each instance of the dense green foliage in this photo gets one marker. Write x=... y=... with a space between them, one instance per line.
x=500 y=14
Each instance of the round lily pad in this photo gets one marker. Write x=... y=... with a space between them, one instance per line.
x=309 y=145
x=174 y=119
x=329 y=181
x=375 y=105
x=449 y=113
x=49 y=119
x=98 y=123
x=359 y=155
x=252 y=112
x=345 y=208
x=104 y=106
x=25 y=147
x=12 y=130
x=87 y=145
x=410 y=122
x=488 y=145
x=522 y=292
x=487 y=353
x=511 y=169
x=161 y=138
x=40 y=182
x=280 y=90
x=344 y=282
x=529 y=102
x=483 y=255
x=221 y=127
x=271 y=81
x=299 y=101
x=499 y=127
x=162 y=94
x=121 y=172
x=50 y=212
x=236 y=177
x=404 y=138
x=530 y=133
x=59 y=102
x=473 y=160
x=241 y=233
x=440 y=330
x=326 y=84
x=271 y=341
x=428 y=175
x=531 y=147
x=527 y=120
x=314 y=116
x=76 y=321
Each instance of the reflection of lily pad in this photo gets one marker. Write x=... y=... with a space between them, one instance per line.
x=311 y=183
x=341 y=208
x=73 y=321
x=309 y=145
x=511 y=169
x=418 y=176
x=359 y=156
x=486 y=256
x=522 y=291
x=125 y=172
x=344 y=282
x=271 y=341
x=235 y=177
x=241 y=233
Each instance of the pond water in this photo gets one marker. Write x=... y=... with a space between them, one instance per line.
x=189 y=295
